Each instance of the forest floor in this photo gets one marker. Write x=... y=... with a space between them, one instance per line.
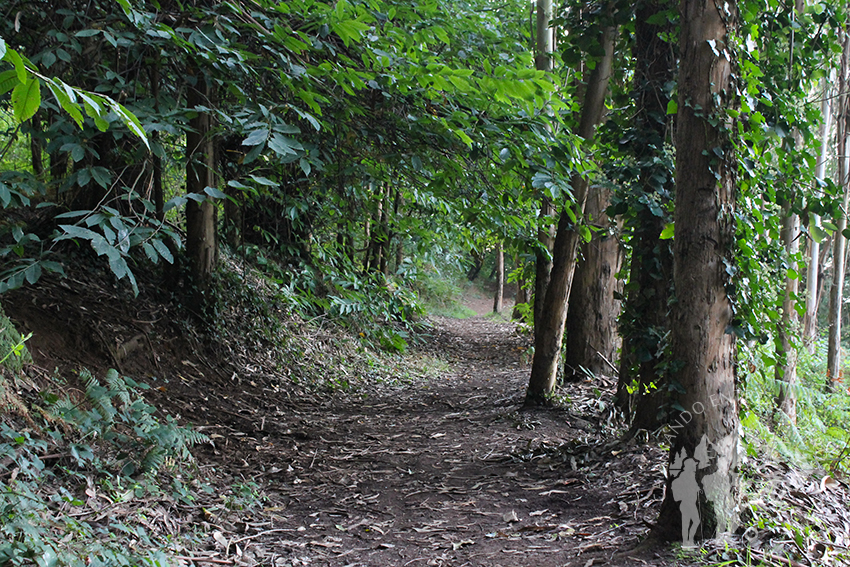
x=439 y=469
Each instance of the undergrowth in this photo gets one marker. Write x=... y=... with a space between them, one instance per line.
x=792 y=507
x=83 y=476
x=322 y=331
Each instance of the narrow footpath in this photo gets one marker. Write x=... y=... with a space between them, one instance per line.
x=444 y=471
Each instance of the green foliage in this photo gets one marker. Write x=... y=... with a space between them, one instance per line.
x=93 y=447
x=13 y=350
x=820 y=438
x=139 y=441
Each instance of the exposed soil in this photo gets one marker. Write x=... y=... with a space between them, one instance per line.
x=446 y=470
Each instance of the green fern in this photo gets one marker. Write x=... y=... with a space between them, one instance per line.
x=141 y=442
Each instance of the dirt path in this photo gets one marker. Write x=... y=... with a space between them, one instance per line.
x=439 y=472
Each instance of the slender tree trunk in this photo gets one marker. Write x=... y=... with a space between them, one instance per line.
x=500 y=279
x=386 y=238
x=37 y=145
x=545 y=45
x=810 y=322
x=521 y=288
x=592 y=339
x=543 y=255
x=833 y=359
x=399 y=247
x=367 y=243
x=704 y=439
x=477 y=264
x=201 y=246
x=549 y=329
x=786 y=355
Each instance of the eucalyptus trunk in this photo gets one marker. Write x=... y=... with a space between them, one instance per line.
x=833 y=359
x=498 y=297
x=545 y=35
x=813 y=273
x=786 y=355
x=645 y=322
x=592 y=339
x=704 y=433
x=549 y=328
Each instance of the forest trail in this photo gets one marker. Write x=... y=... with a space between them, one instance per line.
x=440 y=470
x=445 y=471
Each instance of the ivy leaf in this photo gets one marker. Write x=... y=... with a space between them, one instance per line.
x=26 y=98
x=667 y=232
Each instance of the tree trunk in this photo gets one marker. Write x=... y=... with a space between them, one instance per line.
x=645 y=322
x=477 y=264
x=704 y=438
x=521 y=288
x=37 y=145
x=500 y=279
x=549 y=329
x=386 y=238
x=833 y=358
x=543 y=256
x=545 y=45
x=591 y=329
x=785 y=371
x=810 y=322
x=201 y=248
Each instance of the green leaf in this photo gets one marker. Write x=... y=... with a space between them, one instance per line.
x=163 y=250
x=305 y=166
x=215 y=193
x=74 y=231
x=284 y=145
x=26 y=98
x=818 y=234
x=12 y=57
x=72 y=108
x=463 y=136
x=8 y=81
x=672 y=107
x=33 y=273
x=667 y=232
x=256 y=137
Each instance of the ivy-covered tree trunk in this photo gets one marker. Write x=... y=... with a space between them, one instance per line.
x=833 y=356
x=201 y=245
x=500 y=279
x=702 y=473
x=592 y=339
x=549 y=328
x=645 y=321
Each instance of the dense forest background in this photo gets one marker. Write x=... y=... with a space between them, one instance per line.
x=664 y=187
